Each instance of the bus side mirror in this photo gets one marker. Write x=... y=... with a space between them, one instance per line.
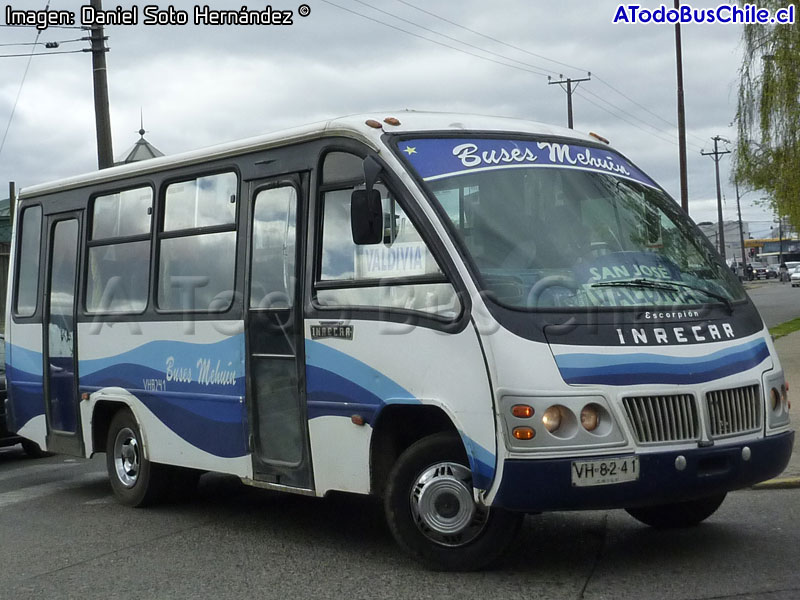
x=366 y=217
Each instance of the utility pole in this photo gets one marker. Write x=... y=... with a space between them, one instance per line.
x=741 y=230
x=681 y=117
x=780 y=240
x=717 y=155
x=105 y=152
x=569 y=89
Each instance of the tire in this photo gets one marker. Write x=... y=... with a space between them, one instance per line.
x=33 y=450
x=431 y=513
x=135 y=480
x=678 y=514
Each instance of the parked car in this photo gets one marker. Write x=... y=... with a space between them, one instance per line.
x=8 y=438
x=791 y=265
x=794 y=277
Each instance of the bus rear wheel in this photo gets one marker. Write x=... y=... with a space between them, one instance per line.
x=678 y=514
x=135 y=480
x=431 y=512
x=34 y=450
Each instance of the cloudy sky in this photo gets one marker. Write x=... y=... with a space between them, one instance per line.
x=198 y=86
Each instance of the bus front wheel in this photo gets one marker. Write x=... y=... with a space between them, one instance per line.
x=135 y=480
x=677 y=514
x=431 y=512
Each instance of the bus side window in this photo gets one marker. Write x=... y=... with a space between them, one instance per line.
x=118 y=276
x=29 y=250
x=272 y=278
x=405 y=272
x=196 y=267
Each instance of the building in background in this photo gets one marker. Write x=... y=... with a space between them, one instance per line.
x=770 y=250
x=142 y=150
x=733 y=246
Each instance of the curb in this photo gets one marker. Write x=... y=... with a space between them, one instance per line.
x=779 y=483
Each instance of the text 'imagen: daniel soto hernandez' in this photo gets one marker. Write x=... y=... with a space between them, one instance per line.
x=152 y=14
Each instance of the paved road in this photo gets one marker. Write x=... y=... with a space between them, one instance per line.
x=62 y=535
x=777 y=302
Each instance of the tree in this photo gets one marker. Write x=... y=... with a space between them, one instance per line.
x=768 y=116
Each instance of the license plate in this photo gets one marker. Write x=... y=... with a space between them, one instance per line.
x=605 y=472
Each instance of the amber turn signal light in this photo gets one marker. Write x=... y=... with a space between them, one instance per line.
x=523 y=433
x=522 y=411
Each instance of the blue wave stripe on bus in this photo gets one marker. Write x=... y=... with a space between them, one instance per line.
x=645 y=368
x=208 y=415
x=210 y=421
x=28 y=363
x=27 y=398
x=339 y=385
x=132 y=377
x=324 y=357
x=153 y=355
x=220 y=430
x=24 y=384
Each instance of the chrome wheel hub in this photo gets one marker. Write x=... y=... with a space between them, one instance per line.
x=126 y=457
x=443 y=507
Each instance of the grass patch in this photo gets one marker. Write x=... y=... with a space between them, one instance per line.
x=785 y=328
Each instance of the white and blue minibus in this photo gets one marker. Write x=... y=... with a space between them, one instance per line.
x=473 y=318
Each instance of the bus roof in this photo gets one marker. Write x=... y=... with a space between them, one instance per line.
x=353 y=126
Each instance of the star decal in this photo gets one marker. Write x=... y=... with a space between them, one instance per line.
x=410 y=150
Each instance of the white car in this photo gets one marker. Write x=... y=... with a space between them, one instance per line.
x=794 y=277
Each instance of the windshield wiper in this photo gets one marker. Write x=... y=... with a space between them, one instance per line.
x=671 y=286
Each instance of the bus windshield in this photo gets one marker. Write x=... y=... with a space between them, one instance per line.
x=552 y=225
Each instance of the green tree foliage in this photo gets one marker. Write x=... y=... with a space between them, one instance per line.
x=768 y=116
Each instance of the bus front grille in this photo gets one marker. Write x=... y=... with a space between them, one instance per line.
x=734 y=411
x=656 y=419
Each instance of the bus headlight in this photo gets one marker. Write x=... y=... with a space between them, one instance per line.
x=590 y=417
x=775 y=399
x=552 y=418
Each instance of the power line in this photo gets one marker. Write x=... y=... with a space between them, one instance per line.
x=645 y=123
x=32 y=54
x=19 y=91
x=54 y=44
x=621 y=117
x=438 y=43
x=48 y=27
x=448 y=37
x=527 y=67
x=493 y=39
x=542 y=57
x=642 y=106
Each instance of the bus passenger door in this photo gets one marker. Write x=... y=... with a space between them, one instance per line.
x=274 y=334
x=60 y=336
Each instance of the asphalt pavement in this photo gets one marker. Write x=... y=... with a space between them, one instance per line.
x=776 y=302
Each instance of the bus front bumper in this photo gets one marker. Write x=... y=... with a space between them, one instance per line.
x=541 y=485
